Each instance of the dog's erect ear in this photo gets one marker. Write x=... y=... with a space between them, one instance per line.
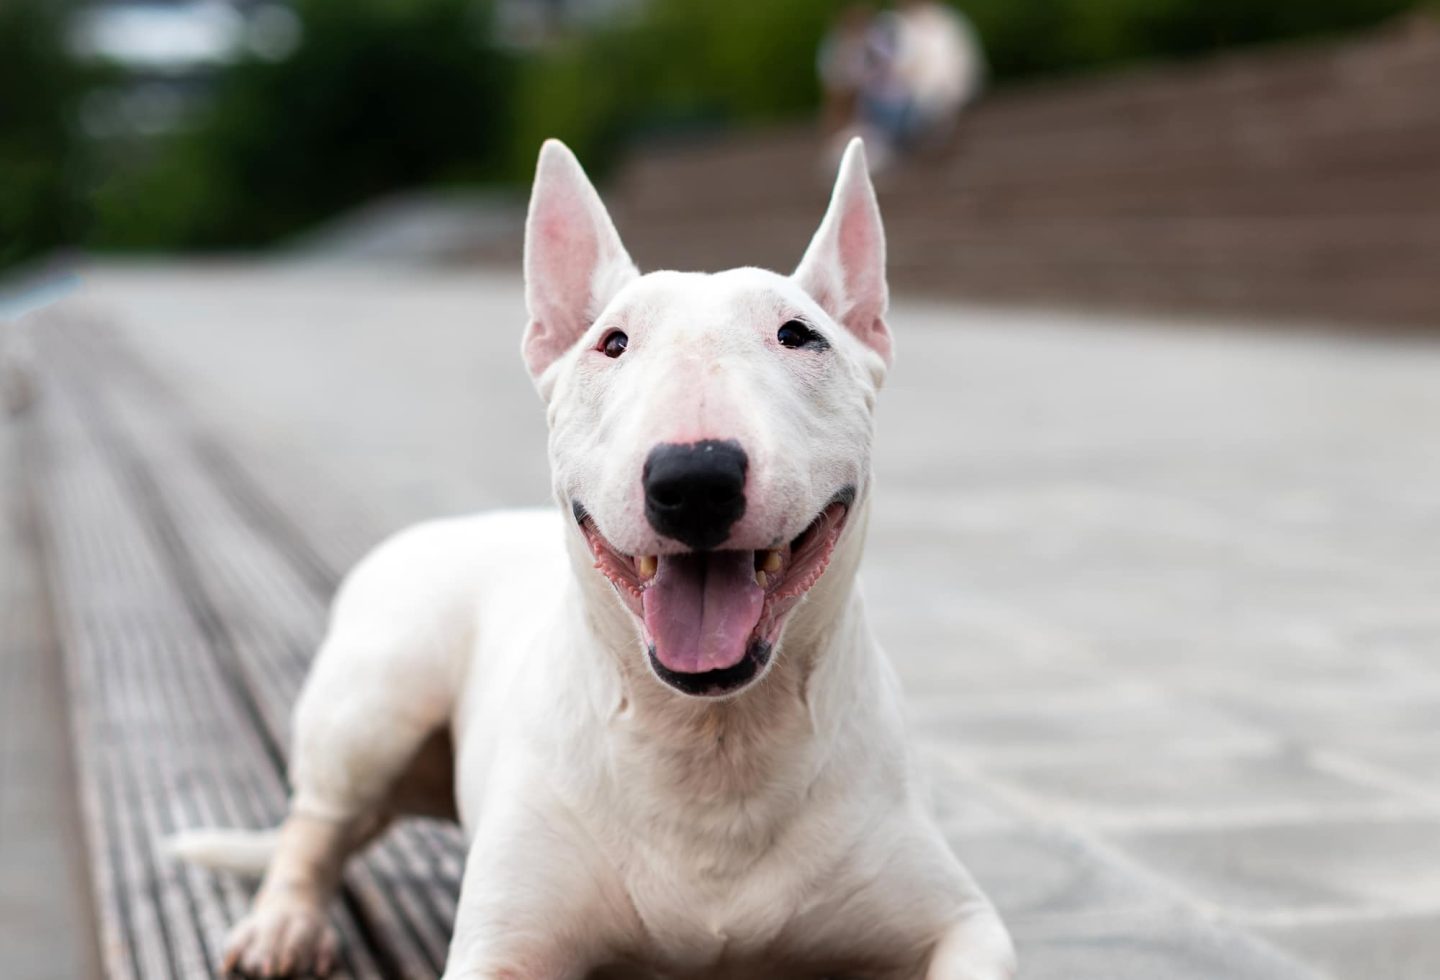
x=574 y=261
x=844 y=267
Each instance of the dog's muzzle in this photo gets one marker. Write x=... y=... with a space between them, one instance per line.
x=695 y=492
x=710 y=619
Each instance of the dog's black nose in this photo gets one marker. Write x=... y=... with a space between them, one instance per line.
x=695 y=492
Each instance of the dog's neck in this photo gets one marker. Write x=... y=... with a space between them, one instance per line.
x=746 y=761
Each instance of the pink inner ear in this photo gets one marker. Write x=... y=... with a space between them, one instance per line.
x=573 y=258
x=862 y=258
x=844 y=268
x=563 y=252
x=565 y=256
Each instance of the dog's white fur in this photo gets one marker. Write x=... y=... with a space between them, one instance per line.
x=613 y=822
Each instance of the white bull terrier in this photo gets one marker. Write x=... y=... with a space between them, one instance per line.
x=658 y=711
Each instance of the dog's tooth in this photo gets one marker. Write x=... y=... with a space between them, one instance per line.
x=646 y=565
x=772 y=562
x=761 y=579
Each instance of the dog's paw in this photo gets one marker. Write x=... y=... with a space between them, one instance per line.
x=281 y=939
x=976 y=948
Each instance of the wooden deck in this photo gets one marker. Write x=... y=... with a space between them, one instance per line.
x=46 y=927
x=188 y=605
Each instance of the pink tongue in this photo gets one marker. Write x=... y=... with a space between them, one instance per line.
x=702 y=608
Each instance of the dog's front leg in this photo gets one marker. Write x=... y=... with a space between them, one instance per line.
x=287 y=931
x=540 y=899
x=976 y=947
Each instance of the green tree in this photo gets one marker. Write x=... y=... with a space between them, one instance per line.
x=677 y=64
x=39 y=98
x=1050 y=37
x=380 y=95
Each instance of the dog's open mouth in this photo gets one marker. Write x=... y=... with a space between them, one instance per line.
x=711 y=618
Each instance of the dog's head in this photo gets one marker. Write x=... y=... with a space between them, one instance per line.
x=709 y=433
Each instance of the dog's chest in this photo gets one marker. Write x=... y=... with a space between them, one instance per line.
x=794 y=907
x=765 y=928
x=701 y=917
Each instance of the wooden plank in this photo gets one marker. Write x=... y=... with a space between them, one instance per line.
x=89 y=567
x=48 y=930
x=166 y=736
x=269 y=613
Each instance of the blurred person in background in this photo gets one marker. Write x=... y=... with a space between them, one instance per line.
x=899 y=78
x=845 y=64
x=939 y=63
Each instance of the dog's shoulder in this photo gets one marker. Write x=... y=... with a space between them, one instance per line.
x=428 y=562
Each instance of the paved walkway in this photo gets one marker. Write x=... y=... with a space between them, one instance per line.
x=1165 y=599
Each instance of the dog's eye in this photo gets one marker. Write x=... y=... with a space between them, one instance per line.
x=614 y=343
x=796 y=334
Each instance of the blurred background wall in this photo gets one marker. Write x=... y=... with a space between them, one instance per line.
x=1275 y=156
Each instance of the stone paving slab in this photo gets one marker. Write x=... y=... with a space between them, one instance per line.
x=1395 y=947
x=1146 y=948
x=1283 y=871
x=1088 y=722
x=1383 y=707
x=1232 y=787
x=1039 y=875
x=1415 y=759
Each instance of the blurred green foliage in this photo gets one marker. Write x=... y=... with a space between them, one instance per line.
x=680 y=64
x=380 y=95
x=1047 y=37
x=383 y=95
x=40 y=91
